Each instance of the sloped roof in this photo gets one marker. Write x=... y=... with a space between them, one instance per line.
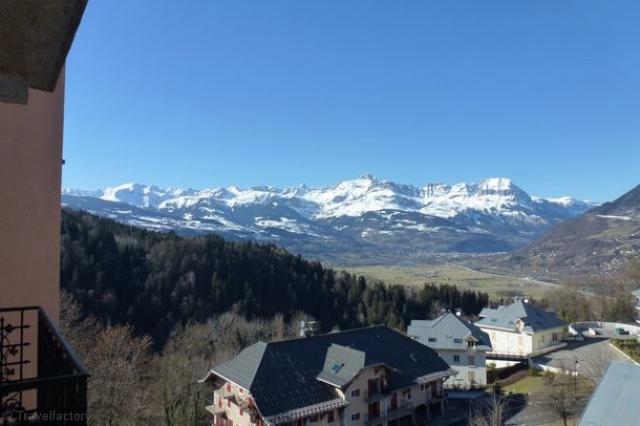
x=616 y=398
x=283 y=376
x=449 y=332
x=505 y=317
x=243 y=368
x=341 y=365
x=35 y=37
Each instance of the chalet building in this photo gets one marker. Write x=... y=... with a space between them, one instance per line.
x=460 y=343
x=521 y=330
x=368 y=376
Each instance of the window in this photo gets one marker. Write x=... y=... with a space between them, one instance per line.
x=355 y=393
x=374 y=410
x=355 y=417
x=313 y=419
x=457 y=340
x=472 y=360
x=456 y=358
x=331 y=417
x=432 y=339
x=471 y=344
x=472 y=376
x=422 y=388
x=373 y=386
x=554 y=337
x=407 y=393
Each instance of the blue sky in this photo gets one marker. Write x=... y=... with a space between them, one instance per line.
x=218 y=92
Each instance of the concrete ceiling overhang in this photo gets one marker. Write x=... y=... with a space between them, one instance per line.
x=35 y=37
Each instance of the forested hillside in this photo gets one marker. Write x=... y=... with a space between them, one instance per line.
x=157 y=281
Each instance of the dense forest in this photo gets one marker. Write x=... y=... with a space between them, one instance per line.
x=156 y=282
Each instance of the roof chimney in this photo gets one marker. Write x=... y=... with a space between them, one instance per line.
x=309 y=328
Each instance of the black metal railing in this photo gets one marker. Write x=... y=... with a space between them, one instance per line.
x=41 y=379
x=404 y=409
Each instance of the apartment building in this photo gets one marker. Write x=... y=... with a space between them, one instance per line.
x=367 y=376
x=459 y=343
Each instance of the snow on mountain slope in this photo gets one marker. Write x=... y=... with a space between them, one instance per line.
x=364 y=213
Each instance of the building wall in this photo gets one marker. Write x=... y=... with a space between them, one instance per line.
x=510 y=342
x=544 y=338
x=470 y=365
x=415 y=395
x=30 y=172
x=520 y=343
x=232 y=411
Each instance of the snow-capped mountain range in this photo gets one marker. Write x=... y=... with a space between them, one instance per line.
x=363 y=219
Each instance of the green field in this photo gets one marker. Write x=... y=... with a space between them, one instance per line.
x=496 y=285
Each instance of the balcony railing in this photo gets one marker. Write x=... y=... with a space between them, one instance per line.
x=41 y=379
x=376 y=394
x=403 y=410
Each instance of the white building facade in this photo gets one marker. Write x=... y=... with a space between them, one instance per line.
x=521 y=330
x=459 y=343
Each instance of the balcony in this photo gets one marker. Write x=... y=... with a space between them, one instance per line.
x=41 y=379
x=403 y=410
x=377 y=393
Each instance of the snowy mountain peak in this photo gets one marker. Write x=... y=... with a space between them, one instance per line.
x=492 y=215
x=348 y=198
x=498 y=184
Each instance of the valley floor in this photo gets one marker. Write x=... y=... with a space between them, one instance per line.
x=497 y=286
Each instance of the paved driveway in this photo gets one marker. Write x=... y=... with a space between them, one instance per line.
x=593 y=355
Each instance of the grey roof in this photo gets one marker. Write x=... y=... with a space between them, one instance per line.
x=341 y=365
x=505 y=317
x=616 y=400
x=245 y=365
x=35 y=37
x=283 y=376
x=449 y=332
x=636 y=292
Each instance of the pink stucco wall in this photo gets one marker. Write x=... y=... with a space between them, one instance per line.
x=30 y=179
